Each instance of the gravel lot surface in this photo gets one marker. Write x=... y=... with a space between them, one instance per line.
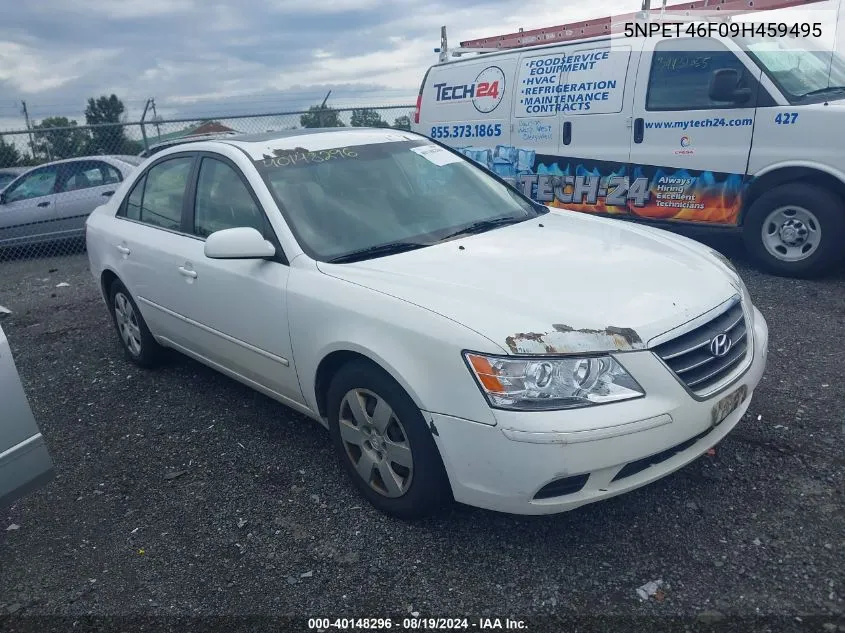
x=182 y=492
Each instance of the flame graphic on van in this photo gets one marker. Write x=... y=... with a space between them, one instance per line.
x=673 y=194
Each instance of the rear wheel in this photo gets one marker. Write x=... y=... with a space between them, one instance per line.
x=796 y=230
x=384 y=443
x=138 y=343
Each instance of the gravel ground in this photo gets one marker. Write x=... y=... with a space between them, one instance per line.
x=181 y=492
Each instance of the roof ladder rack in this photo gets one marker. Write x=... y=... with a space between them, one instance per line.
x=697 y=10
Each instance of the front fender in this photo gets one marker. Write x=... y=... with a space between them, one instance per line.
x=420 y=349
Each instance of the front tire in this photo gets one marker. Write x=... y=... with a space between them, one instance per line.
x=138 y=343
x=796 y=230
x=384 y=444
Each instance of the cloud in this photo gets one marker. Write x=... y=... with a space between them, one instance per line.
x=223 y=57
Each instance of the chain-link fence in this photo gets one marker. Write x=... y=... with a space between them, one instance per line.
x=51 y=179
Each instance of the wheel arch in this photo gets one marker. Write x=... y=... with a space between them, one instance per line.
x=823 y=177
x=335 y=358
x=107 y=279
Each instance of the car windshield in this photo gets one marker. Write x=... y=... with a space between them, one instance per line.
x=398 y=195
x=802 y=68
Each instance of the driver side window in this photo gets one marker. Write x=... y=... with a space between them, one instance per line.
x=223 y=201
x=37 y=183
x=681 y=70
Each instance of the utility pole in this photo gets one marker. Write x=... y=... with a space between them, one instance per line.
x=143 y=128
x=155 y=118
x=322 y=112
x=28 y=127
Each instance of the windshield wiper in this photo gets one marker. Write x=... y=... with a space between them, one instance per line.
x=821 y=91
x=376 y=251
x=484 y=225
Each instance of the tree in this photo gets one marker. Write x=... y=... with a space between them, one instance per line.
x=402 y=122
x=65 y=142
x=9 y=154
x=108 y=139
x=367 y=117
x=321 y=116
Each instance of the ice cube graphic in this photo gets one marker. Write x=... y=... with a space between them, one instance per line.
x=525 y=160
x=484 y=156
x=504 y=170
x=505 y=154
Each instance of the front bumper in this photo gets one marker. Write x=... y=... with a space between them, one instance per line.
x=616 y=447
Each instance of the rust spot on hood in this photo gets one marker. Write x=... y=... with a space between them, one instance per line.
x=567 y=340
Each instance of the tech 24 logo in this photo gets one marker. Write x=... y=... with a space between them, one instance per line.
x=486 y=92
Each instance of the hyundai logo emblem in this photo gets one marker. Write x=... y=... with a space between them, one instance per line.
x=720 y=345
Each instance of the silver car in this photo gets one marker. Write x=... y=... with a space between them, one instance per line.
x=8 y=174
x=25 y=463
x=52 y=201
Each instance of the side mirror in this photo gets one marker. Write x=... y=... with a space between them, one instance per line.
x=238 y=243
x=2 y=197
x=724 y=86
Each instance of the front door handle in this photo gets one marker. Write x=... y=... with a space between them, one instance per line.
x=187 y=272
x=107 y=193
x=43 y=204
x=123 y=249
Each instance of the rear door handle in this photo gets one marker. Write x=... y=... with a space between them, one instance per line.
x=639 y=130
x=567 y=132
x=123 y=249
x=43 y=204
x=107 y=193
x=187 y=272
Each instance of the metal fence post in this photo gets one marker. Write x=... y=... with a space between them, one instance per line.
x=143 y=129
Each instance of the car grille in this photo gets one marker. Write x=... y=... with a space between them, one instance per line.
x=689 y=356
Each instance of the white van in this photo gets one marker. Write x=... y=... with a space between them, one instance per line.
x=736 y=134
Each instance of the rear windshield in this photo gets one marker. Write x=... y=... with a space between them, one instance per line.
x=341 y=200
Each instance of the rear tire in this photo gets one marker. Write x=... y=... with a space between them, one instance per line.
x=138 y=343
x=796 y=230
x=384 y=443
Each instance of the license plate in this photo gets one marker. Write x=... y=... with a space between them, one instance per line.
x=728 y=405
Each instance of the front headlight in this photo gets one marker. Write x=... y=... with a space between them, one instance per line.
x=542 y=384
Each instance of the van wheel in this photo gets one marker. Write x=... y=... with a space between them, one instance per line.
x=138 y=343
x=384 y=443
x=796 y=230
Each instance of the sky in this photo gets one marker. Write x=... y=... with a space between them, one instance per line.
x=205 y=58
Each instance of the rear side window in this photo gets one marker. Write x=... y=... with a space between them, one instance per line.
x=157 y=198
x=86 y=174
x=680 y=75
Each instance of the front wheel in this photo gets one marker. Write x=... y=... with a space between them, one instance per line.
x=384 y=443
x=796 y=230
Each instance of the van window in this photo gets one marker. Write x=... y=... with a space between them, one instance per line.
x=680 y=74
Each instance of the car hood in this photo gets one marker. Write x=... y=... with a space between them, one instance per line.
x=561 y=283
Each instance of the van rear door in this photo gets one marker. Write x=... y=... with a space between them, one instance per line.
x=466 y=105
x=574 y=108
x=693 y=122
x=25 y=463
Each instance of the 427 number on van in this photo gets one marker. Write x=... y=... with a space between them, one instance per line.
x=466 y=130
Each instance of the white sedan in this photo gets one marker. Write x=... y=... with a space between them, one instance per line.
x=458 y=340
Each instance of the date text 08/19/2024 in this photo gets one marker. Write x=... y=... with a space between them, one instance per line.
x=416 y=624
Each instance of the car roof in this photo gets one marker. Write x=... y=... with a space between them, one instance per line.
x=258 y=146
